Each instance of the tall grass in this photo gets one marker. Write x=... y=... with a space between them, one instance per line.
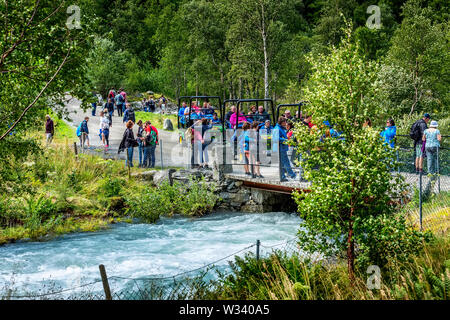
x=282 y=276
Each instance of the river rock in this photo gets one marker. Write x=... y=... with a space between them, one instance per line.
x=162 y=176
x=185 y=175
x=168 y=125
x=145 y=175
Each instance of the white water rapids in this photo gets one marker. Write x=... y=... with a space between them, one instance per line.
x=166 y=248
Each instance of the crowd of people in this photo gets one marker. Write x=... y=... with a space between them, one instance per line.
x=254 y=124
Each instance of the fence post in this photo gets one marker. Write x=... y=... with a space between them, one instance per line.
x=105 y=282
x=258 y=243
x=437 y=171
x=398 y=163
x=128 y=165
x=280 y=168
x=420 y=199
x=75 y=149
x=161 y=152
x=83 y=140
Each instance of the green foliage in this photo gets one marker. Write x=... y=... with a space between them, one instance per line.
x=199 y=200
x=148 y=204
x=352 y=185
x=34 y=45
x=420 y=51
x=106 y=66
x=389 y=240
x=425 y=275
x=111 y=186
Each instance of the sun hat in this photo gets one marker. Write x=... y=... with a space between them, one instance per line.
x=433 y=124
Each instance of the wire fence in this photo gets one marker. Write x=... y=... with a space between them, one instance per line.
x=427 y=201
x=193 y=284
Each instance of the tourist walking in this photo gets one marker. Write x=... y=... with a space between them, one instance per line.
x=49 y=129
x=150 y=141
x=279 y=139
x=104 y=129
x=128 y=143
x=120 y=102
x=198 y=142
x=432 y=137
x=112 y=94
x=152 y=104
x=416 y=133
x=251 y=140
x=83 y=132
x=140 y=140
x=110 y=106
x=129 y=114
x=205 y=127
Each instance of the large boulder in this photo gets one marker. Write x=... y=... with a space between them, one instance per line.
x=168 y=125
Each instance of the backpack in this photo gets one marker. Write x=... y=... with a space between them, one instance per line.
x=79 y=130
x=120 y=99
x=151 y=138
x=131 y=115
x=414 y=132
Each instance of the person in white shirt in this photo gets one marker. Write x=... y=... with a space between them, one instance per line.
x=104 y=128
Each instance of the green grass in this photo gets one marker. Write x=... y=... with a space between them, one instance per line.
x=281 y=276
x=156 y=119
x=62 y=193
x=63 y=131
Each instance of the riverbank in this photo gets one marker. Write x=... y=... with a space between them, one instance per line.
x=56 y=192
x=282 y=276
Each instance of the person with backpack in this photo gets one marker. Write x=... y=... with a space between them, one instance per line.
x=120 y=101
x=129 y=114
x=150 y=138
x=140 y=141
x=111 y=94
x=151 y=104
x=110 y=106
x=83 y=132
x=416 y=133
x=128 y=142
x=432 y=138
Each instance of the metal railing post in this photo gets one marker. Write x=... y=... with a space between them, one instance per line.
x=258 y=244
x=420 y=199
x=161 y=152
x=398 y=162
x=280 y=165
x=128 y=164
x=105 y=282
x=437 y=170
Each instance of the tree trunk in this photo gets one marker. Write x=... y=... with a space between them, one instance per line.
x=266 y=56
x=350 y=240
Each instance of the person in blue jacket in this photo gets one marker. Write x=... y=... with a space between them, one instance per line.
x=279 y=138
x=181 y=114
x=83 y=132
x=389 y=133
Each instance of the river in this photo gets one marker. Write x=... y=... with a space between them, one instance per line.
x=166 y=248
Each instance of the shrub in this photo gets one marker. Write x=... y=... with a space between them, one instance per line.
x=199 y=200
